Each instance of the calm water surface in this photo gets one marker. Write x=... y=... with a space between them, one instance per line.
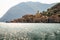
x=29 y=31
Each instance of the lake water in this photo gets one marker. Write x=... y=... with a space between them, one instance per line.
x=29 y=31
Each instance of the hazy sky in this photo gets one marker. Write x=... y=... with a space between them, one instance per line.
x=5 y=5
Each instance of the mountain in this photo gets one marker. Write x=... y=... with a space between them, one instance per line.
x=57 y=6
x=52 y=15
x=55 y=9
x=23 y=9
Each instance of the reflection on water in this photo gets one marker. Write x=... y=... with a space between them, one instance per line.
x=29 y=31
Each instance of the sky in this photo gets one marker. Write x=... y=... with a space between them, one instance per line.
x=5 y=5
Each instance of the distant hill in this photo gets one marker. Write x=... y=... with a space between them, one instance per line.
x=23 y=9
